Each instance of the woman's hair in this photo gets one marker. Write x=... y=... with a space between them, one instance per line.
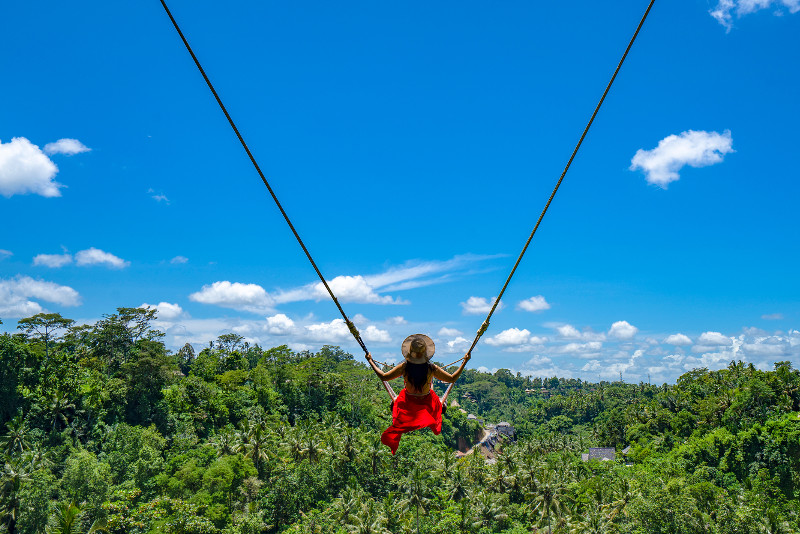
x=417 y=374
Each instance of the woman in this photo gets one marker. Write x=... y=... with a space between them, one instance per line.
x=417 y=405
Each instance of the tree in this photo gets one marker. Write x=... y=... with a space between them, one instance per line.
x=414 y=487
x=549 y=498
x=45 y=326
x=16 y=440
x=67 y=520
x=185 y=358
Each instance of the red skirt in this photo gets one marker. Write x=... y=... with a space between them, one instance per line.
x=411 y=412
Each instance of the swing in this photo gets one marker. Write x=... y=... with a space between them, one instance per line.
x=351 y=327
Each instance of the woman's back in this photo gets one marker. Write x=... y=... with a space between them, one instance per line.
x=417 y=377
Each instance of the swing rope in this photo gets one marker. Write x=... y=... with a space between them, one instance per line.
x=348 y=322
x=496 y=302
x=350 y=326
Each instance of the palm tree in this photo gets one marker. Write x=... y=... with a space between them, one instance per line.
x=414 y=488
x=457 y=486
x=376 y=452
x=624 y=493
x=59 y=408
x=491 y=509
x=549 y=498
x=226 y=443
x=255 y=444
x=773 y=523
x=466 y=519
x=294 y=444
x=13 y=475
x=66 y=520
x=369 y=520
x=347 y=504
x=594 y=523
x=17 y=436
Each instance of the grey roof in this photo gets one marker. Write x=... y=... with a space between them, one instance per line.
x=602 y=453
x=626 y=450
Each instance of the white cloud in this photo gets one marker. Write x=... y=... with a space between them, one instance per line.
x=414 y=274
x=346 y=289
x=5 y=254
x=726 y=9
x=534 y=304
x=612 y=370
x=592 y=366
x=459 y=344
x=177 y=260
x=678 y=340
x=713 y=338
x=368 y=289
x=95 y=256
x=396 y=320
x=622 y=330
x=512 y=336
x=773 y=316
x=335 y=331
x=773 y=350
x=166 y=311
x=693 y=148
x=591 y=347
x=352 y=289
x=54 y=261
x=478 y=305
x=158 y=197
x=375 y=335
x=538 y=360
x=449 y=332
x=568 y=331
x=66 y=146
x=25 y=169
x=15 y=295
x=238 y=296
x=279 y=324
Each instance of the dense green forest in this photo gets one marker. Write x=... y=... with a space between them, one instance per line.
x=105 y=429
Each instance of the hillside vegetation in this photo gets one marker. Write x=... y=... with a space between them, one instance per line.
x=103 y=427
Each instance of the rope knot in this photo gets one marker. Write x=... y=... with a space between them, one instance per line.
x=483 y=328
x=353 y=329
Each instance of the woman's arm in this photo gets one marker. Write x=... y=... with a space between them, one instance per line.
x=444 y=376
x=389 y=375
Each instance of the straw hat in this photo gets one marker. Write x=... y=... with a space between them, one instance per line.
x=418 y=348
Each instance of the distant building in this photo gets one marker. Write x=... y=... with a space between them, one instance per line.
x=505 y=429
x=472 y=417
x=601 y=454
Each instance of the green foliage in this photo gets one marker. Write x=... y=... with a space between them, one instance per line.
x=101 y=425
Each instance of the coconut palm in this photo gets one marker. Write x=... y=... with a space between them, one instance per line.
x=67 y=520
x=347 y=504
x=59 y=408
x=16 y=440
x=368 y=520
x=773 y=523
x=14 y=473
x=457 y=485
x=549 y=498
x=624 y=493
x=414 y=487
x=226 y=442
x=376 y=452
x=491 y=509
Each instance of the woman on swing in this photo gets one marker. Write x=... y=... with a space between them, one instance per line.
x=417 y=405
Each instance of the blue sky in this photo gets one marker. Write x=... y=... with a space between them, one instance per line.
x=414 y=147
